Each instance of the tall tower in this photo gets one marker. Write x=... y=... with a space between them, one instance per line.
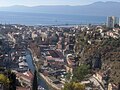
x=112 y=21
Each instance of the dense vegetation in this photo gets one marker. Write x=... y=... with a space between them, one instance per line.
x=74 y=86
x=80 y=72
x=103 y=54
x=8 y=79
x=4 y=79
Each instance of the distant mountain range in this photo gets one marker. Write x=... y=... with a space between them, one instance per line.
x=94 y=9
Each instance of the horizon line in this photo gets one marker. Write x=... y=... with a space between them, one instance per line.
x=58 y=4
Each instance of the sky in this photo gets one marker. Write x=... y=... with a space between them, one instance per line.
x=4 y=3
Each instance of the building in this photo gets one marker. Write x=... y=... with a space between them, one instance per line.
x=25 y=79
x=112 y=87
x=112 y=21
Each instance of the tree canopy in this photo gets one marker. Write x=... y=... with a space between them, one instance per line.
x=4 y=79
x=80 y=72
x=74 y=86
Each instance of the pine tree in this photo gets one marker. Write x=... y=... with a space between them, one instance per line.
x=34 y=84
x=12 y=77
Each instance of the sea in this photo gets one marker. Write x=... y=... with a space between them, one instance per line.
x=48 y=19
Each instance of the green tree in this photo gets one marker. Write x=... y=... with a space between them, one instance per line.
x=80 y=72
x=34 y=84
x=68 y=76
x=12 y=78
x=4 y=79
x=74 y=86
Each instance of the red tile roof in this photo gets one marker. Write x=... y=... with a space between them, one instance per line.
x=22 y=88
x=28 y=75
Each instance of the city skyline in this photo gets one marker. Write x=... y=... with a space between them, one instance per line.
x=5 y=3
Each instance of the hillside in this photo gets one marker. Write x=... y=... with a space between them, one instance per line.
x=95 y=9
x=103 y=56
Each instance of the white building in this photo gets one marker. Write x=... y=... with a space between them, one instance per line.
x=34 y=35
x=111 y=21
